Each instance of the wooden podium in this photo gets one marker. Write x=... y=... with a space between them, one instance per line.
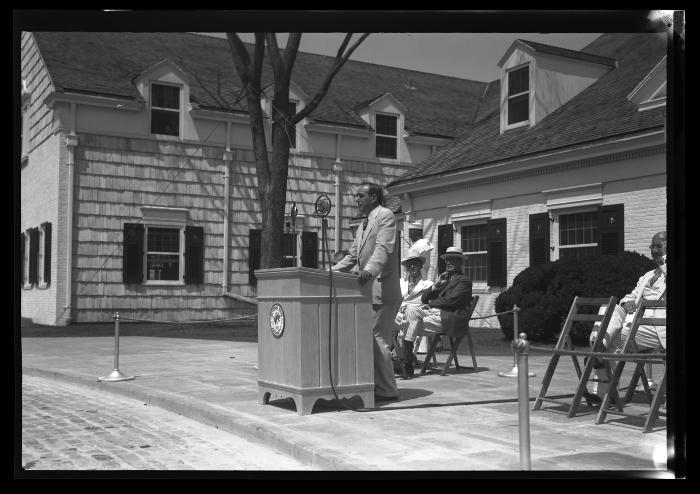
x=294 y=343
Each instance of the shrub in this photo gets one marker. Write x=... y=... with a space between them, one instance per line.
x=544 y=293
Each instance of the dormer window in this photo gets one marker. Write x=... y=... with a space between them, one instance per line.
x=518 y=95
x=387 y=139
x=165 y=109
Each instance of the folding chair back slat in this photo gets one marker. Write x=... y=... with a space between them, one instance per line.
x=629 y=346
x=564 y=343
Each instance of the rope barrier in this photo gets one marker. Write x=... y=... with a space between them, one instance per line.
x=192 y=321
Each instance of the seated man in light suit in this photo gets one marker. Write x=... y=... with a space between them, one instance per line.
x=444 y=308
x=413 y=286
x=651 y=286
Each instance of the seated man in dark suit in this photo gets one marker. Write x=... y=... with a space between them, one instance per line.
x=444 y=309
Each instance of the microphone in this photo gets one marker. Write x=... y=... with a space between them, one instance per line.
x=322 y=207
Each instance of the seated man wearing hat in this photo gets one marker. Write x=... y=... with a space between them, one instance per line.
x=412 y=288
x=444 y=308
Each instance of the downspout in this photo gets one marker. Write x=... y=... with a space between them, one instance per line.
x=71 y=144
x=228 y=157
x=337 y=169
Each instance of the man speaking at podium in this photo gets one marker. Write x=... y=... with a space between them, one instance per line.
x=373 y=257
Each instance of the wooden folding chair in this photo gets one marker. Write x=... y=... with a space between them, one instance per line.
x=454 y=344
x=629 y=347
x=564 y=346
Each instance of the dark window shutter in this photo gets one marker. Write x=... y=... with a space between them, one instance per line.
x=33 y=255
x=309 y=249
x=496 y=248
x=47 y=252
x=23 y=241
x=445 y=239
x=194 y=255
x=539 y=239
x=254 y=237
x=611 y=229
x=132 y=261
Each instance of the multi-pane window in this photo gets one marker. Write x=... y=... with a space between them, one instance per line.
x=165 y=109
x=292 y=131
x=475 y=248
x=386 y=136
x=518 y=95
x=163 y=254
x=578 y=234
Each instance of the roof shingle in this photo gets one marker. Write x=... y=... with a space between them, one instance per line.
x=599 y=112
x=106 y=63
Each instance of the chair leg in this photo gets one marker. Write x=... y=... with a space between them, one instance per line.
x=453 y=355
x=431 y=354
x=655 y=404
x=549 y=373
x=612 y=392
x=471 y=349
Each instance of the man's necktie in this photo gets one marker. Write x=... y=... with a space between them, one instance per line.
x=657 y=274
x=364 y=224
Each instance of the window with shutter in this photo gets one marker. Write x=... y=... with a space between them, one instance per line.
x=47 y=253
x=132 y=257
x=496 y=246
x=309 y=249
x=539 y=239
x=611 y=229
x=33 y=256
x=578 y=234
x=254 y=237
x=23 y=243
x=194 y=255
x=474 y=247
x=445 y=240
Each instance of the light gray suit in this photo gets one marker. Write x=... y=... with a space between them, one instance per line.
x=374 y=251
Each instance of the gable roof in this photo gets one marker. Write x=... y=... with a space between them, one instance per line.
x=560 y=52
x=106 y=64
x=601 y=111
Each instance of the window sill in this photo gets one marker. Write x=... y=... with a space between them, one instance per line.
x=166 y=137
x=516 y=125
x=163 y=283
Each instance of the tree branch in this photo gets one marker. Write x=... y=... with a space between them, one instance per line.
x=340 y=60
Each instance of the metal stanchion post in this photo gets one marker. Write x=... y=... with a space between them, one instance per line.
x=116 y=374
x=514 y=371
x=520 y=347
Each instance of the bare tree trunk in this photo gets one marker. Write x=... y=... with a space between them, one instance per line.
x=272 y=172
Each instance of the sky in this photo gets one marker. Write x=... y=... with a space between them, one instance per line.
x=471 y=56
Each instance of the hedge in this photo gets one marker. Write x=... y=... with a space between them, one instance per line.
x=544 y=293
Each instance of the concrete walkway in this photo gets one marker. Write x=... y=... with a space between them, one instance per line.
x=465 y=421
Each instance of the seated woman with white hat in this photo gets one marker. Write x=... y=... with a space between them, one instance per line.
x=413 y=286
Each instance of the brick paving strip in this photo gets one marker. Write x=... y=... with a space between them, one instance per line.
x=66 y=428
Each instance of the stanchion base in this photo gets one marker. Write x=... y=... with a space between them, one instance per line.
x=514 y=373
x=116 y=375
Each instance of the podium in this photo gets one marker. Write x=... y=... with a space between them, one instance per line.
x=294 y=342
